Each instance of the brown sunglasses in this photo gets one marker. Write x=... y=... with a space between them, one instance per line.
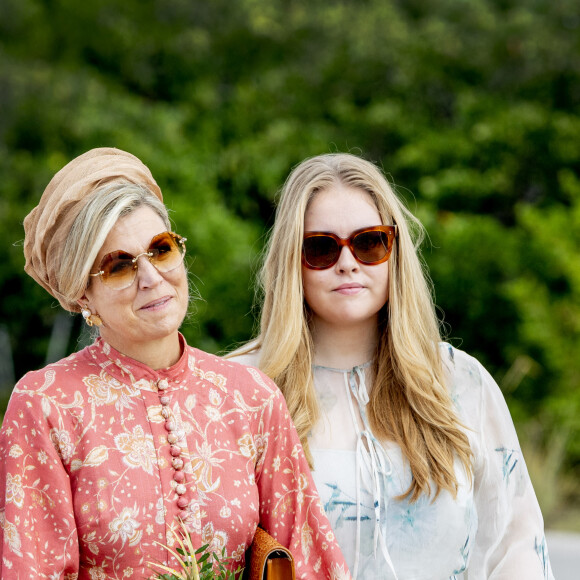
x=370 y=246
x=118 y=269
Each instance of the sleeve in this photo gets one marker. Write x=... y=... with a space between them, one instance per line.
x=290 y=508
x=38 y=537
x=510 y=541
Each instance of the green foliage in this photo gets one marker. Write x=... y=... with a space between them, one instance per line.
x=200 y=564
x=206 y=567
x=472 y=107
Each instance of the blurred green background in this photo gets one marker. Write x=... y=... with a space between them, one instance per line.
x=470 y=106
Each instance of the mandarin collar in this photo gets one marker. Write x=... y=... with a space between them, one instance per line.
x=124 y=368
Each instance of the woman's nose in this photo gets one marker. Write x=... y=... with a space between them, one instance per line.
x=346 y=261
x=147 y=274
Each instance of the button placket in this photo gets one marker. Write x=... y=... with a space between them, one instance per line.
x=174 y=436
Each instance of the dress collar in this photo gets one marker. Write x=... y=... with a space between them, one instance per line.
x=350 y=370
x=123 y=367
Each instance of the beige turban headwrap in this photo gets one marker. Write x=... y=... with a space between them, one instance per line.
x=47 y=226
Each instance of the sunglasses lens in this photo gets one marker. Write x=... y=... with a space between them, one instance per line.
x=321 y=251
x=166 y=252
x=371 y=247
x=118 y=270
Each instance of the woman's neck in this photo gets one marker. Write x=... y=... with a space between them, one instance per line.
x=157 y=355
x=344 y=347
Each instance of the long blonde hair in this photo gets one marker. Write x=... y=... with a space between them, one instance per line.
x=409 y=401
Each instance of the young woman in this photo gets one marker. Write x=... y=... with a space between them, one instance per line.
x=412 y=446
x=105 y=454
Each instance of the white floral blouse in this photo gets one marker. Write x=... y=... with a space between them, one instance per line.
x=491 y=530
x=100 y=456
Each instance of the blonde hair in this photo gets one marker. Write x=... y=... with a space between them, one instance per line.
x=409 y=401
x=91 y=228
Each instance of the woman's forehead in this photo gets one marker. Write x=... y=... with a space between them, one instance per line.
x=341 y=210
x=133 y=232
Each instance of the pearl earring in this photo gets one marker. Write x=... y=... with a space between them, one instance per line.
x=90 y=318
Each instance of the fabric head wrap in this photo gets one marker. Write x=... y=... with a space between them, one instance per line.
x=47 y=226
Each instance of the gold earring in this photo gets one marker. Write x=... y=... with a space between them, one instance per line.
x=90 y=318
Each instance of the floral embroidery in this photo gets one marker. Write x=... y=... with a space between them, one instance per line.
x=138 y=449
x=107 y=391
x=97 y=573
x=212 y=413
x=510 y=460
x=261 y=445
x=192 y=518
x=216 y=540
x=214 y=397
x=14 y=491
x=89 y=540
x=445 y=536
x=62 y=443
x=12 y=537
x=340 y=573
x=306 y=537
x=246 y=445
x=126 y=527
x=202 y=465
x=160 y=511
x=542 y=552
x=16 y=451
x=89 y=468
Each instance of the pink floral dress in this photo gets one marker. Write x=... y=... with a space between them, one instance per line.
x=100 y=457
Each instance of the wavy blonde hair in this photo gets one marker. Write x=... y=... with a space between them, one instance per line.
x=409 y=401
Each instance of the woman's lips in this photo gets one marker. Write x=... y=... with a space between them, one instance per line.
x=349 y=289
x=156 y=304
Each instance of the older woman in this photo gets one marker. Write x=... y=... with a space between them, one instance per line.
x=414 y=451
x=106 y=453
